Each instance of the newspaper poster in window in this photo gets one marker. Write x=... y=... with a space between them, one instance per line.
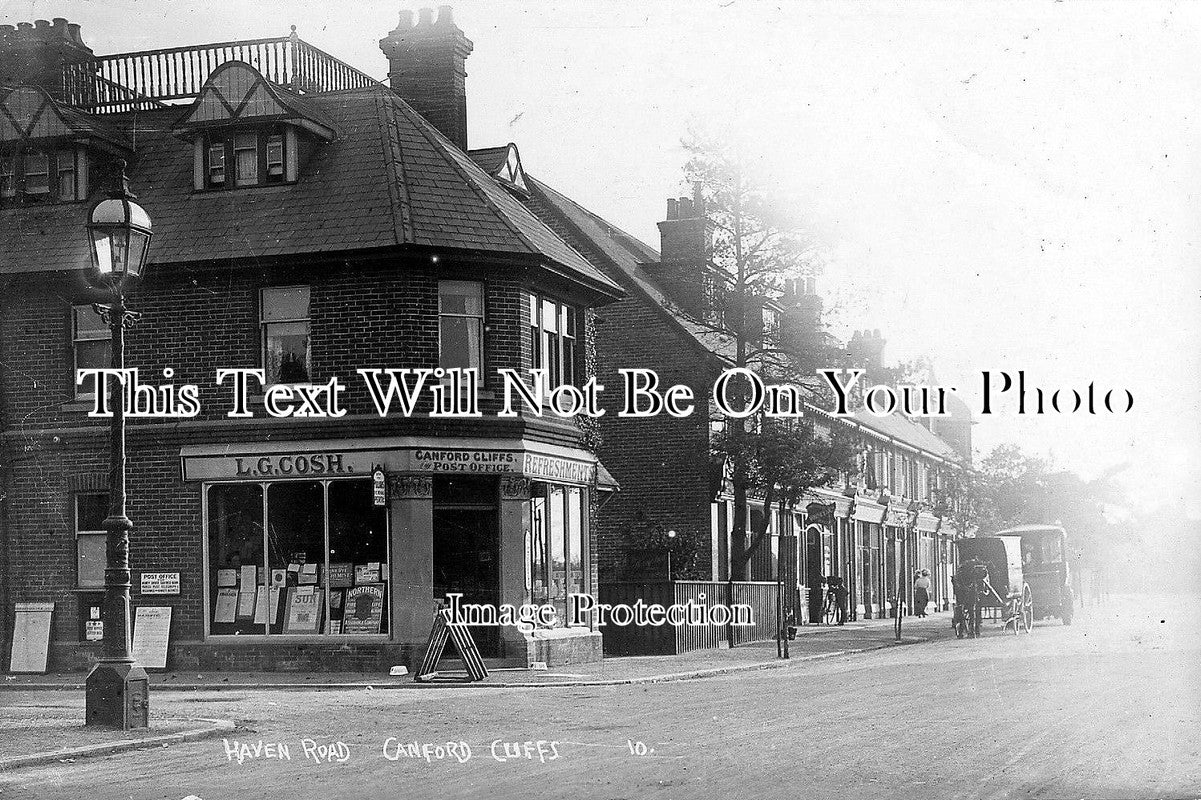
x=226 y=610
x=341 y=575
x=364 y=609
x=305 y=604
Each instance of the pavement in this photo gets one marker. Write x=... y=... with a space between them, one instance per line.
x=1107 y=708
x=48 y=730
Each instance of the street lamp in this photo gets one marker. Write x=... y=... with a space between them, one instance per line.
x=118 y=691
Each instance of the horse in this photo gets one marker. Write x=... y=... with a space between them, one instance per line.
x=971 y=588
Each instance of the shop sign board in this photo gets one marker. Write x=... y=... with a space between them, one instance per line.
x=160 y=583
x=31 y=637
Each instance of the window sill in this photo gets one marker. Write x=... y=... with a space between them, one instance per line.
x=78 y=405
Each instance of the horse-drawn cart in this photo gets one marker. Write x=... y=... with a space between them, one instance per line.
x=989 y=575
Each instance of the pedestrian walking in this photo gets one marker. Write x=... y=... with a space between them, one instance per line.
x=921 y=592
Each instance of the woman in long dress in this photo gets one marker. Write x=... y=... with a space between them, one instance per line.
x=921 y=592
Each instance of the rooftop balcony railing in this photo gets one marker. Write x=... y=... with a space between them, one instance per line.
x=153 y=78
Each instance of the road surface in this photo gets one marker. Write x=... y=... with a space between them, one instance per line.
x=1107 y=708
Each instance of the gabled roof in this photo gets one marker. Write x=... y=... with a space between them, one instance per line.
x=504 y=164
x=237 y=92
x=625 y=254
x=28 y=112
x=389 y=180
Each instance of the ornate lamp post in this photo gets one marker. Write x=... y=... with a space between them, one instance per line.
x=118 y=691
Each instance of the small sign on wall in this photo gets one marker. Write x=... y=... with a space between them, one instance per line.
x=160 y=583
x=379 y=487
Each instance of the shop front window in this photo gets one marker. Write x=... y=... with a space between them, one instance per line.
x=556 y=547
x=297 y=557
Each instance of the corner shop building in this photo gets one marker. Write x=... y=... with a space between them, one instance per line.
x=307 y=235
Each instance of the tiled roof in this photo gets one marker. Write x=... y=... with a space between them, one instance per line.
x=626 y=253
x=391 y=179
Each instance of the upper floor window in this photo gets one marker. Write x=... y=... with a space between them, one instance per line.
x=36 y=175
x=460 y=324
x=554 y=336
x=244 y=158
x=91 y=342
x=284 y=317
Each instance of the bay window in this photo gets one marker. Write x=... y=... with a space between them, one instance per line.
x=460 y=324
x=554 y=336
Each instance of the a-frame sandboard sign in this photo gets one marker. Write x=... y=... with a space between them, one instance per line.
x=457 y=632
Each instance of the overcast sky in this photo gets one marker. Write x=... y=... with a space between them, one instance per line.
x=1000 y=186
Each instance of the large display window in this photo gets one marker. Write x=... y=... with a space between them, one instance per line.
x=556 y=546
x=296 y=558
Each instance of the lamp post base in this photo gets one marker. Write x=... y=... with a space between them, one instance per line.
x=118 y=695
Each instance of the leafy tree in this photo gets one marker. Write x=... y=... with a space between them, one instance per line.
x=756 y=247
x=1015 y=488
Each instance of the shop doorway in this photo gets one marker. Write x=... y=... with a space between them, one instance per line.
x=467 y=548
x=814 y=577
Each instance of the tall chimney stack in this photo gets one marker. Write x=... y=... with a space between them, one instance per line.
x=427 y=67
x=35 y=53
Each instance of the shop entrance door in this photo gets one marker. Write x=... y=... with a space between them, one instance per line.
x=815 y=577
x=467 y=548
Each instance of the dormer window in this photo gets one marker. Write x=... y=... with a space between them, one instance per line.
x=249 y=132
x=257 y=158
x=38 y=175
x=216 y=168
x=275 y=157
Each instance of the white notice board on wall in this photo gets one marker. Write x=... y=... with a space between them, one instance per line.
x=151 y=633
x=31 y=637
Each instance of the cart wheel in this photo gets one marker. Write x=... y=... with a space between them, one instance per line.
x=1027 y=608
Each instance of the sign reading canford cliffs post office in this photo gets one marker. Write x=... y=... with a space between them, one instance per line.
x=348 y=458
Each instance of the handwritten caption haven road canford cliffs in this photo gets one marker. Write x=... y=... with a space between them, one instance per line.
x=393 y=749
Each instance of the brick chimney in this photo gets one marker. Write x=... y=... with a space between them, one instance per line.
x=685 y=252
x=866 y=350
x=35 y=53
x=801 y=322
x=427 y=67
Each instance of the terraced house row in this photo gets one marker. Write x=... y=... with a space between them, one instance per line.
x=310 y=221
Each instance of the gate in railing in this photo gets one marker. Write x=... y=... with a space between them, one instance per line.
x=150 y=78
